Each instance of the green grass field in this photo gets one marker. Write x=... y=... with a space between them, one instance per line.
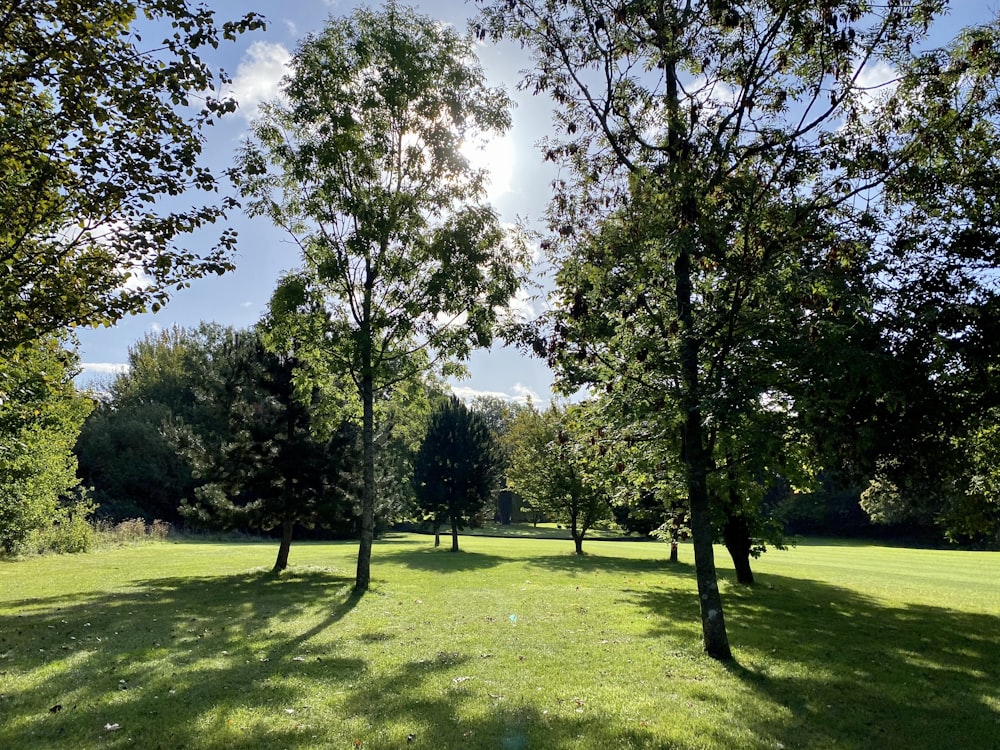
x=513 y=643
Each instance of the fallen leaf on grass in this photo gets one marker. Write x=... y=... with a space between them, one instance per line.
x=461 y=679
x=112 y=727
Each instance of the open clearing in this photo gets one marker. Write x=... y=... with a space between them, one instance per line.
x=514 y=643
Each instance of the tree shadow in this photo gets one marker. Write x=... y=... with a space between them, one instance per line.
x=588 y=564
x=171 y=661
x=440 y=718
x=843 y=664
x=442 y=559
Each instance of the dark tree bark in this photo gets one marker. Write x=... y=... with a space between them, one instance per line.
x=286 y=544
x=454 y=536
x=736 y=536
x=578 y=542
x=673 y=552
x=696 y=458
x=363 y=577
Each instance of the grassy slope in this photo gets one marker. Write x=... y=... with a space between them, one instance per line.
x=196 y=646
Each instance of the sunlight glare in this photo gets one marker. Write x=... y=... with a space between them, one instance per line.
x=496 y=156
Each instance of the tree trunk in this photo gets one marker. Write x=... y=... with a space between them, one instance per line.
x=363 y=579
x=578 y=542
x=695 y=457
x=286 y=544
x=437 y=536
x=736 y=535
x=454 y=537
x=673 y=551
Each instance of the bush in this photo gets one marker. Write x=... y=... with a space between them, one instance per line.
x=71 y=533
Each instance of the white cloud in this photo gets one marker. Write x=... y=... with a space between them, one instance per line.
x=876 y=82
x=103 y=368
x=259 y=75
x=155 y=327
x=520 y=395
x=522 y=305
x=137 y=279
x=523 y=393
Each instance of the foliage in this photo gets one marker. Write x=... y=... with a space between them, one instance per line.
x=123 y=449
x=552 y=468
x=458 y=467
x=40 y=417
x=360 y=161
x=71 y=533
x=99 y=135
x=722 y=218
x=275 y=467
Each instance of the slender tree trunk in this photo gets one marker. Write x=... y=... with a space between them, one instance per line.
x=454 y=537
x=286 y=544
x=363 y=579
x=437 y=536
x=736 y=532
x=713 y=623
x=576 y=533
x=673 y=550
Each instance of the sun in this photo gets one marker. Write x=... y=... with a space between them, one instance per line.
x=495 y=155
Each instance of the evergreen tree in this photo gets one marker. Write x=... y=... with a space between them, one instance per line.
x=457 y=467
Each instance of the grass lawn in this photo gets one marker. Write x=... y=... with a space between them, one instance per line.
x=513 y=643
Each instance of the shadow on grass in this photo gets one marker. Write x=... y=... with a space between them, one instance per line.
x=843 y=665
x=441 y=559
x=588 y=564
x=170 y=661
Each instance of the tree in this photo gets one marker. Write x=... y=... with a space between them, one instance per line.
x=277 y=467
x=98 y=139
x=123 y=449
x=360 y=161
x=549 y=457
x=723 y=155
x=40 y=417
x=457 y=467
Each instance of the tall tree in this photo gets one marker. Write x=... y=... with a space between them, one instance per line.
x=40 y=417
x=457 y=467
x=721 y=155
x=97 y=139
x=360 y=161
x=550 y=467
x=277 y=466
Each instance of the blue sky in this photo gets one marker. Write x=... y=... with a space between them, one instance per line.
x=520 y=187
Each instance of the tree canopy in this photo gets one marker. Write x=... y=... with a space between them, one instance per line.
x=100 y=140
x=552 y=467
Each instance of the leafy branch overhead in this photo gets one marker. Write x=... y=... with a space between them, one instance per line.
x=101 y=138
